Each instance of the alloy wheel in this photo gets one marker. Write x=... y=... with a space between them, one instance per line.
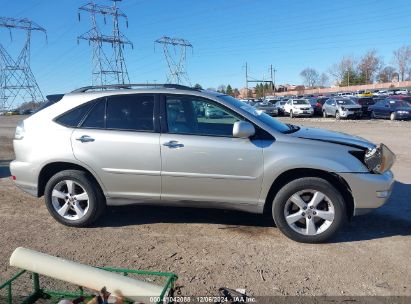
x=70 y=200
x=309 y=212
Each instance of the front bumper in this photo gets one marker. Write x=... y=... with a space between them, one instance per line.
x=369 y=191
x=351 y=114
x=402 y=116
x=297 y=112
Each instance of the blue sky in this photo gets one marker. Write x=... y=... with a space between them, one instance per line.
x=225 y=34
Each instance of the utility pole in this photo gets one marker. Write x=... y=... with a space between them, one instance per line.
x=272 y=72
x=174 y=50
x=16 y=76
x=107 y=68
x=246 y=77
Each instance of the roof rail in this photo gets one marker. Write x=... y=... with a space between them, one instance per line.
x=131 y=85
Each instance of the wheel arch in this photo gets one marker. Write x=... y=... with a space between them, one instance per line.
x=337 y=181
x=51 y=169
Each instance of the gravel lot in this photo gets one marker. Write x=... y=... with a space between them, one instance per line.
x=209 y=249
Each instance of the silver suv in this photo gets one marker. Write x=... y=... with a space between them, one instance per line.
x=156 y=144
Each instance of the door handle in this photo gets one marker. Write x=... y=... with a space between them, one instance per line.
x=85 y=138
x=173 y=144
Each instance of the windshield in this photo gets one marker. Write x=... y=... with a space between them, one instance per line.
x=267 y=119
x=400 y=104
x=263 y=104
x=345 y=102
x=300 y=102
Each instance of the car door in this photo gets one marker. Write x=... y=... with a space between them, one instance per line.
x=119 y=140
x=327 y=106
x=201 y=160
x=385 y=109
x=377 y=108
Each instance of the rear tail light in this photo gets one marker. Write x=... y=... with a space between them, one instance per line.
x=13 y=177
x=318 y=104
x=19 y=131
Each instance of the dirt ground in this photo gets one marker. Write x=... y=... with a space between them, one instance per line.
x=209 y=249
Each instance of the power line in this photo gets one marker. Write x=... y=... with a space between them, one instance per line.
x=16 y=77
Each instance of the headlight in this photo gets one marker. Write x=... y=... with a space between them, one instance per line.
x=343 y=109
x=380 y=159
x=403 y=112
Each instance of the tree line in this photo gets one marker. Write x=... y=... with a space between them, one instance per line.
x=367 y=69
x=261 y=90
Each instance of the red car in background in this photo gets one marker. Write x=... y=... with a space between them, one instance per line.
x=406 y=98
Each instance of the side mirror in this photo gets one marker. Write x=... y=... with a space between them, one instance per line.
x=243 y=129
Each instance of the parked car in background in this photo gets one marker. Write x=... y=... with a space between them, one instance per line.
x=341 y=108
x=12 y=112
x=317 y=104
x=364 y=102
x=298 y=107
x=280 y=106
x=267 y=107
x=393 y=109
x=400 y=97
x=364 y=93
x=381 y=93
x=213 y=112
x=401 y=92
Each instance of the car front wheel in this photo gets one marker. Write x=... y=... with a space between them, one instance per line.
x=291 y=114
x=309 y=210
x=393 y=116
x=324 y=114
x=73 y=198
x=337 y=115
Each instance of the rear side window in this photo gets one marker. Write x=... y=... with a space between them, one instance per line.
x=73 y=117
x=96 y=118
x=130 y=112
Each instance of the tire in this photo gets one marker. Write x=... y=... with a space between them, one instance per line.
x=291 y=114
x=373 y=115
x=325 y=114
x=77 y=212
x=299 y=231
x=337 y=115
x=393 y=116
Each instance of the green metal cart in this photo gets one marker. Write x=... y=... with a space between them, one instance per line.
x=27 y=287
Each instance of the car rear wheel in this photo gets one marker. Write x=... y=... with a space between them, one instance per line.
x=74 y=199
x=291 y=114
x=393 y=116
x=373 y=115
x=324 y=114
x=309 y=210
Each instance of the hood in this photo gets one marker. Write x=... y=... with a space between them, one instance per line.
x=403 y=109
x=350 y=106
x=333 y=137
x=302 y=105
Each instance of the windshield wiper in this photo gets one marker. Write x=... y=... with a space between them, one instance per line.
x=293 y=128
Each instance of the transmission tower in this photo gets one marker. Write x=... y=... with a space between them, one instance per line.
x=108 y=67
x=175 y=53
x=17 y=81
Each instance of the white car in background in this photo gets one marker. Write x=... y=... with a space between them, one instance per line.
x=298 y=107
x=401 y=92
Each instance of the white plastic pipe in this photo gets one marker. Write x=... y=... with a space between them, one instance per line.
x=83 y=275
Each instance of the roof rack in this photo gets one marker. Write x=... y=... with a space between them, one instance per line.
x=131 y=85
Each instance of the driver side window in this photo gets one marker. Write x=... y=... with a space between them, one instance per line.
x=198 y=116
